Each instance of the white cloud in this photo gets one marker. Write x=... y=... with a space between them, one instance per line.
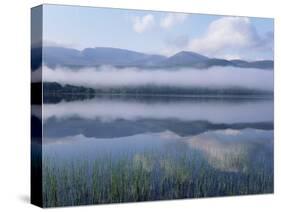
x=228 y=38
x=228 y=33
x=146 y=22
x=141 y=24
x=172 y=19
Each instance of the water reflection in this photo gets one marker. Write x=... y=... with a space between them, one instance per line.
x=171 y=148
x=184 y=109
x=111 y=118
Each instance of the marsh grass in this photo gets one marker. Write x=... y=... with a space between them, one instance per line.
x=147 y=176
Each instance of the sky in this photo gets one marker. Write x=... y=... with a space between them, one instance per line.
x=162 y=33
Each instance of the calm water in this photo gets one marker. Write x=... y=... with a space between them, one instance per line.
x=117 y=149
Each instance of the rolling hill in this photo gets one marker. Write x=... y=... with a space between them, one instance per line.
x=60 y=56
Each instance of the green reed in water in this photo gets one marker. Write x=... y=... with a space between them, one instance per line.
x=149 y=176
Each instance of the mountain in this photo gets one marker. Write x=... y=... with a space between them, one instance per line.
x=122 y=128
x=54 y=56
x=194 y=60
x=119 y=57
x=72 y=58
x=185 y=58
x=263 y=64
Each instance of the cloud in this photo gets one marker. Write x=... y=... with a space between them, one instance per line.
x=144 y=23
x=216 y=77
x=141 y=24
x=228 y=32
x=228 y=38
x=172 y=19
x=228 y=35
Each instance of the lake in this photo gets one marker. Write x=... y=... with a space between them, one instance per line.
x=110 y=149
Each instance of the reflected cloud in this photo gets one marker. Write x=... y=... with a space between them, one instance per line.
x=229 y=150
x=222 y=151
x=108 y=110
x=230 y=132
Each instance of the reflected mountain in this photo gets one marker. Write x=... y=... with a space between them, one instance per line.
x=113 y=117
x=123 y=128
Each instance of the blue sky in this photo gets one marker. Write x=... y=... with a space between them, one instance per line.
x=158 y=32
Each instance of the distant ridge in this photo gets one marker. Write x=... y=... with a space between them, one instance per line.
x=60 y=56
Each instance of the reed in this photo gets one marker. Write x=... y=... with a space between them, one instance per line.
x=147 y=176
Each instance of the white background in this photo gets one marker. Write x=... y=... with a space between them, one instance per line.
x=15 y=98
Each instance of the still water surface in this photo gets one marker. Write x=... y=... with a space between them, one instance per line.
x=117 y=149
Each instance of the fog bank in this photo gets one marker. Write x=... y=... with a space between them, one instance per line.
x=216 y=77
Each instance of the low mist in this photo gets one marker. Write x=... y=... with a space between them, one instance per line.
x=215 y=77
